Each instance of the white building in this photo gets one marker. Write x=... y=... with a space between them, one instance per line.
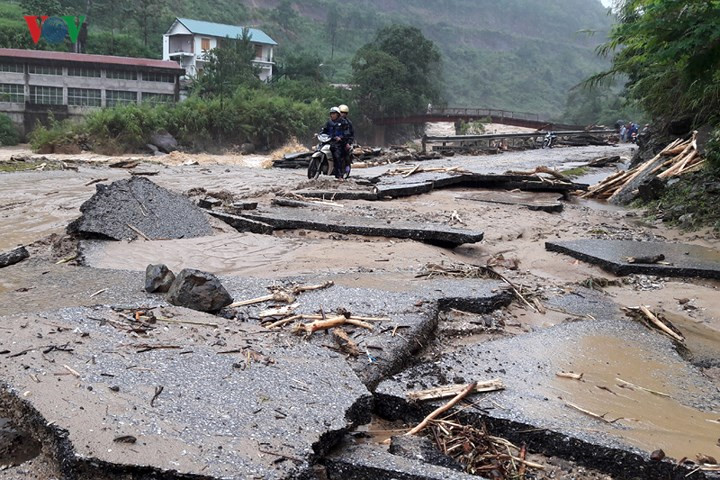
x=188 y=41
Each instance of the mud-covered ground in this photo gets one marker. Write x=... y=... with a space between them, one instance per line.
x=39 y=203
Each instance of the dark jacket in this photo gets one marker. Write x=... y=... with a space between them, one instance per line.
x=334 y=129
x=349 y=131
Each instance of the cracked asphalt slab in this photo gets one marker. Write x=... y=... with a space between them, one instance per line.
x=636 y=394
x=201 y=401
x=679 y=260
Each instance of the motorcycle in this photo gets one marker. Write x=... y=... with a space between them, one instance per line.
x=321 y=161
x=549 y=140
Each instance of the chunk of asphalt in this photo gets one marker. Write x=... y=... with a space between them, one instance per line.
x=333 y=195
x=125 y=207
x=243 y=224
x=367 y=461
x=13 y=256
x=423 y=449
x=533 y=410
x=681 y=260
x=409 y=317
x=289 y=218
x=230 y=402
x=536 y=201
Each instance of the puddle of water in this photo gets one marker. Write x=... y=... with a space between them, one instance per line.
x=647 y=420
x=702 y=341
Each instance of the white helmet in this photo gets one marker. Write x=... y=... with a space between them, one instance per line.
x=335 y=110
x=344 y=108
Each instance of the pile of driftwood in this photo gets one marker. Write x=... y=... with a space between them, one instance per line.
x=407 y=171
x=678 y=158
x=585 y=140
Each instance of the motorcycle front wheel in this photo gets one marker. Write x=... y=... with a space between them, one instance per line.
x=313 y=169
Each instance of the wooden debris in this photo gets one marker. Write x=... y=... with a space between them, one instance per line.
x=71 y=370
x=332 y=322
x=278 y=312
x=136 y=230
x=574 y=376
x=645 y=313
x=451 y=390
x=684 y=158
x=479 y=452
x=435 y=413
x=406 y=172
x=158 y=391
x=632 y=385
x=591 y=414
x=95 y=180
x=278 y=296
x=541 y=169
x=345 y=343
x=646 y=260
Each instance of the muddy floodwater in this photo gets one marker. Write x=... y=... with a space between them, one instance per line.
x=628 y=391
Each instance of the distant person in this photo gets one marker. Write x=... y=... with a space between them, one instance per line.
x=623 y=131
x=334 y=128
x=348 y=137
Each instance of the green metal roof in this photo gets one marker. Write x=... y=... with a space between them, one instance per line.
x=221 y=30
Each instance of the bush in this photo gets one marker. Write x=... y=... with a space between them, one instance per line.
x=258 y=116
x=712 y=150
x=8 y=133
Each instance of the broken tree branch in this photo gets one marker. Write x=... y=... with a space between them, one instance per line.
x=447 y=391
x=467 y=390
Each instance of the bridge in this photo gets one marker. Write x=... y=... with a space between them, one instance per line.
x=489 y=115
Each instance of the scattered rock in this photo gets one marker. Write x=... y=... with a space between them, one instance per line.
x=158 y=278
x=247 y=148
x=421 y=448
x=198 y=290
x=13 y=256
x=651 y=189
x=152 y=148
x=125 y=208
x=657 y=455
x=164 y=142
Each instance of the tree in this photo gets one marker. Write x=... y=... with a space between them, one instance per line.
x=284 y=14
x=300 y=66
x=398 y=73
x=147 y=14
x=333 y=18
x=41 y=7
x=670 y=51
x=228 y=66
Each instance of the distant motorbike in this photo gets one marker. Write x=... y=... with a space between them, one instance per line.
x=549 y=140
x=321 y=161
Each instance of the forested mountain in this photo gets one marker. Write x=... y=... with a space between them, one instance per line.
x=521 y=55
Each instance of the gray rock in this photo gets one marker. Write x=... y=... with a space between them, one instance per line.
x=158 y=278
x=198 y=290
x=421 y=448
x=139 y=203
x=164 y=142
x=247 y=148
x=13 y=256
x=651 y=189
x=153 y=149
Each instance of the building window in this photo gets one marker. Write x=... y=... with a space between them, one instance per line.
x=12 y=67
x=85 y=97
x=46 y=95
x=121 y=74
x=119 y=97
x=44 y=69
x=258 y=51
x=83 y=72
x=205 y=44
x=157 y=97
x=12 y=92
x=158 y=77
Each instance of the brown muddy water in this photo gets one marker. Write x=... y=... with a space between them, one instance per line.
x=647 y=420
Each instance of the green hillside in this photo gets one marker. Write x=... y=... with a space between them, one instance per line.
x=521 y=55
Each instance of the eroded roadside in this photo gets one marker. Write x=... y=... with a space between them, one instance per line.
x=239 y=400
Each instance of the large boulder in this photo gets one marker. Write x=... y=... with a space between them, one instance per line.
x=126 y=209
x=198 y=290
x=13 y=256
x=164 y=142
x=158 y=278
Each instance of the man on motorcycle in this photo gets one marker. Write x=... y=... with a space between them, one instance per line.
x=335 y=129
x=349 y=137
